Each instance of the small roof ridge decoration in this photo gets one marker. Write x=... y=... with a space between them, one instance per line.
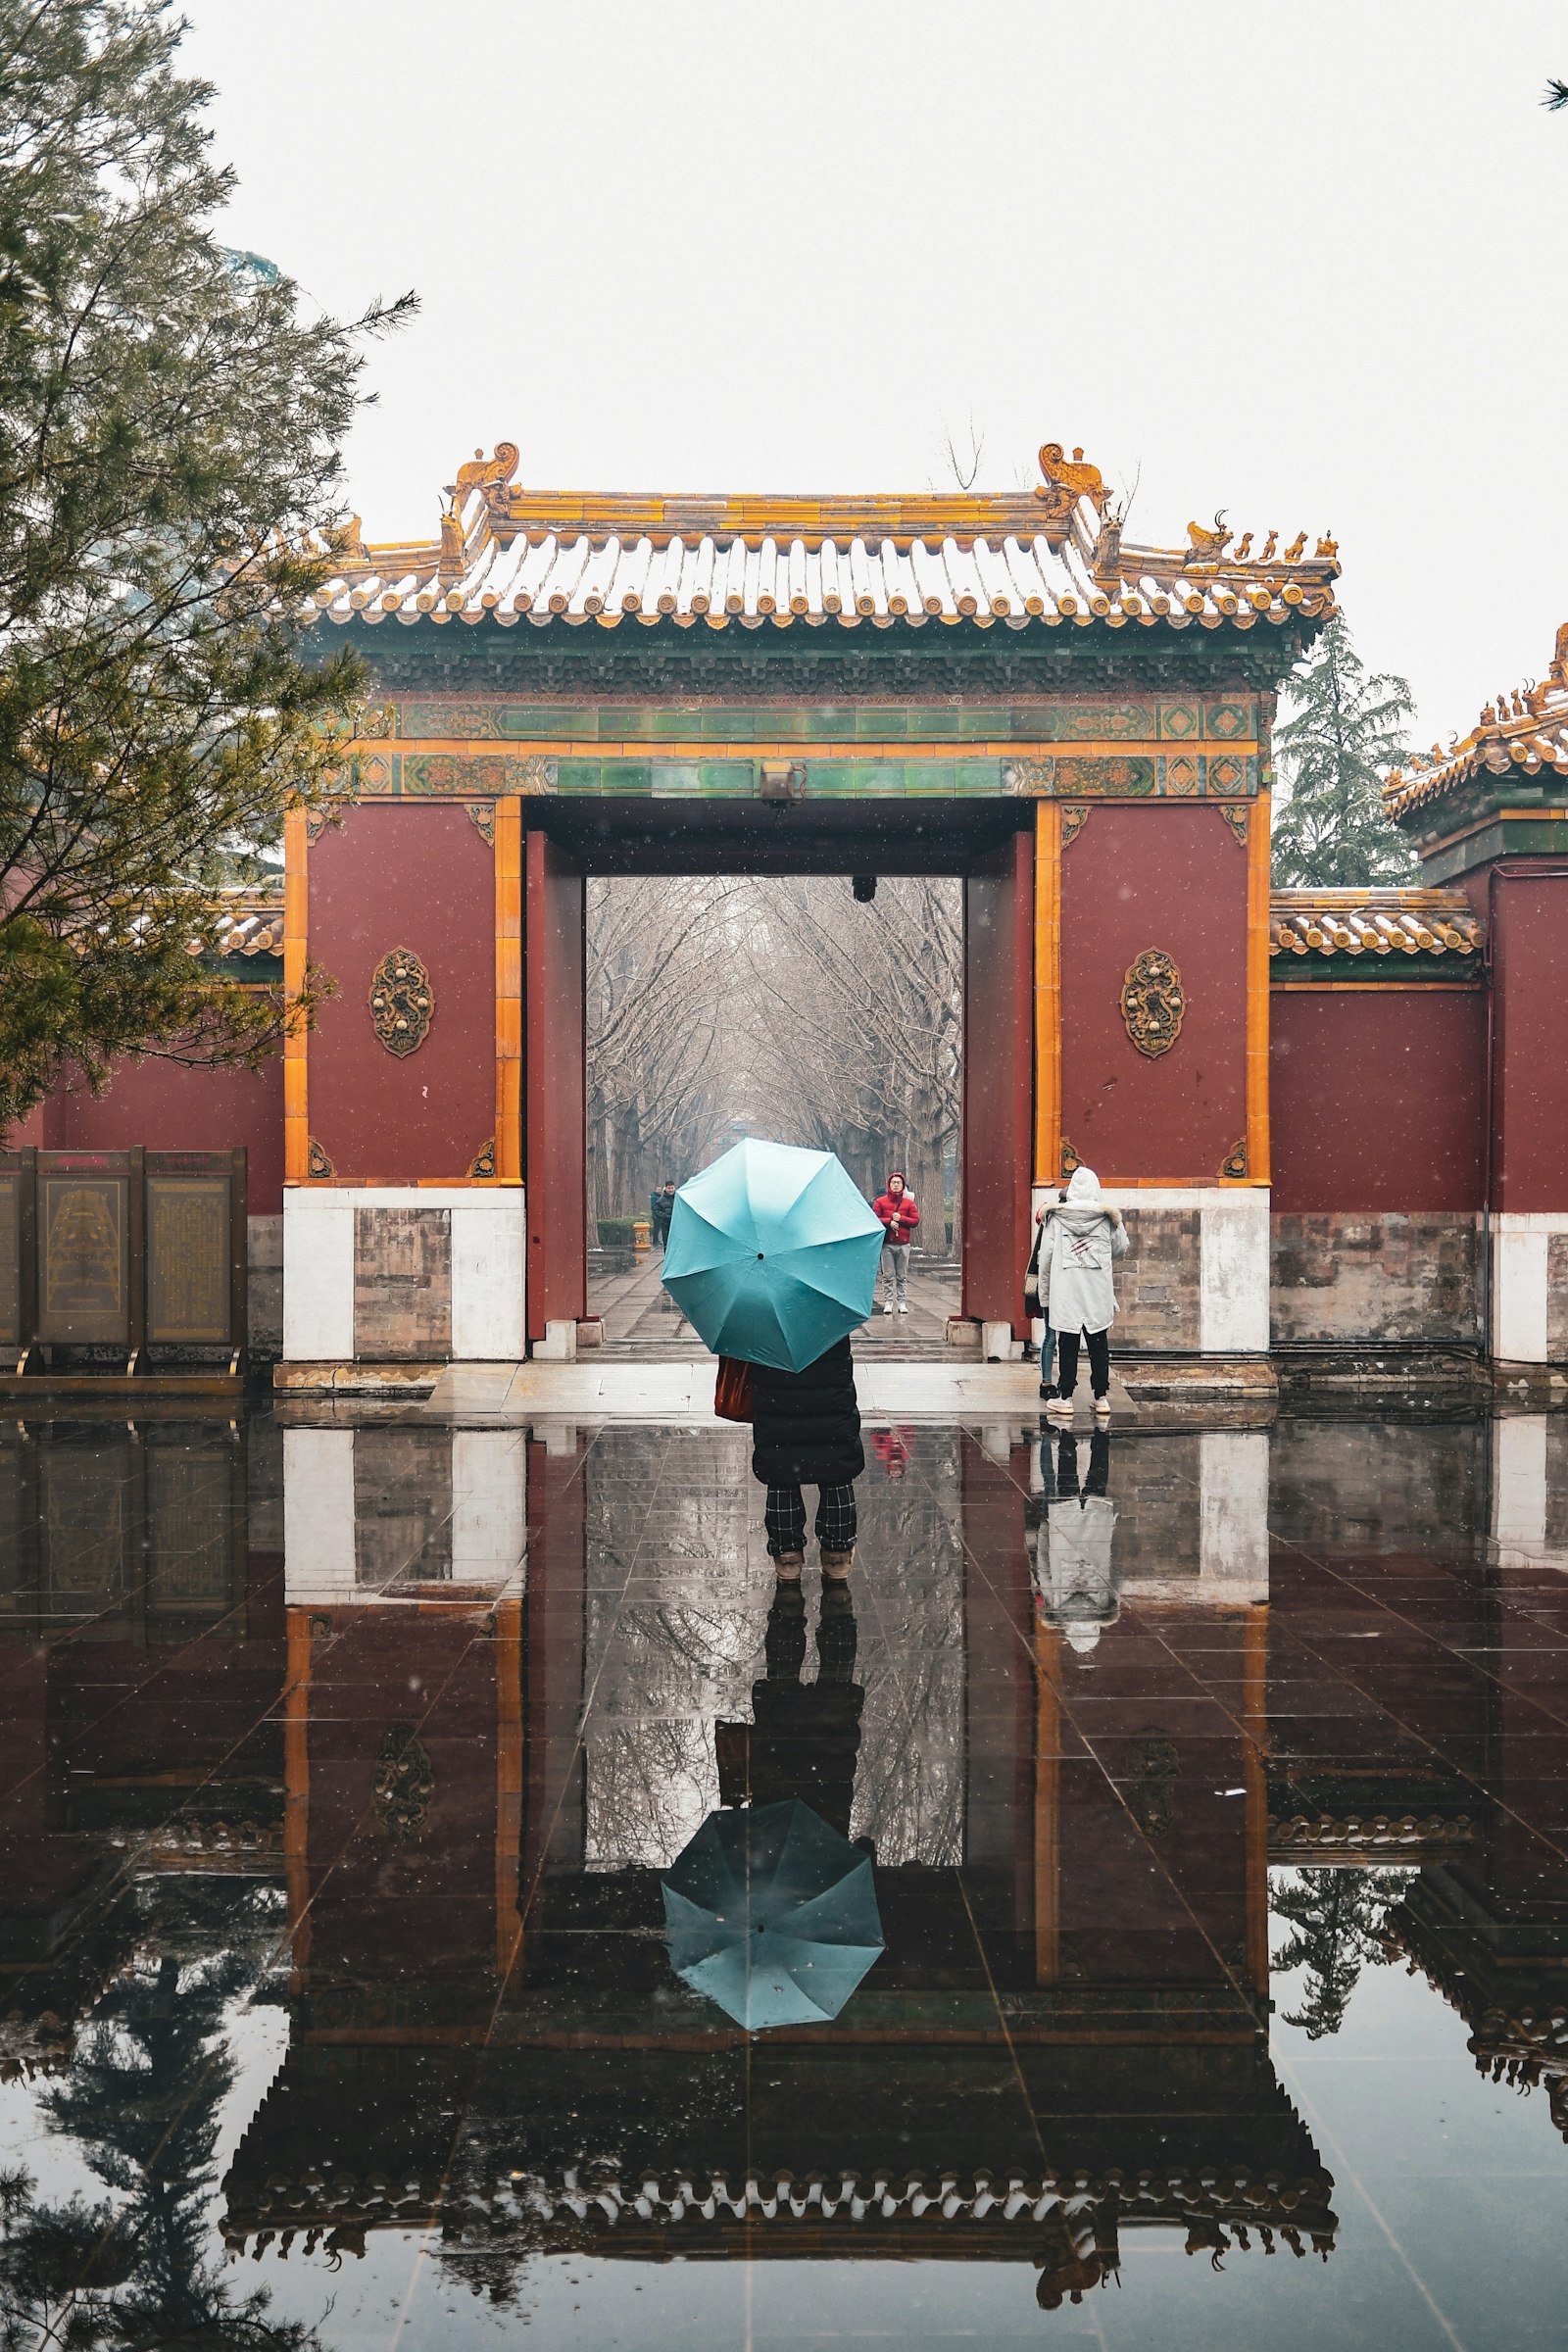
x=1053 y=554
x=1374 y=923
x=1524 y=732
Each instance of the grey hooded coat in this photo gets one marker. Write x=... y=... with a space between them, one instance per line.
x=1081 y=1242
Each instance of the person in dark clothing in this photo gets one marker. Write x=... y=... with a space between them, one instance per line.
x=803 y=1738
x=805 y=1429
x=660 y=1209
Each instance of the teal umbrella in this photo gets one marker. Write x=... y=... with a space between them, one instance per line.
x=772 y=1914
x=772 y=1254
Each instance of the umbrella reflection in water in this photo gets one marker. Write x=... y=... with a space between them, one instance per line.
x=772 y=1914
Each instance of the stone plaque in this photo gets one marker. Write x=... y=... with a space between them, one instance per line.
x=187 y=1259
x=83 y=1290
x=403 y=1283
x=10 y=1261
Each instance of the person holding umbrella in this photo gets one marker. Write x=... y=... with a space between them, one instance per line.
x=806 y=1431
x=772 y=1258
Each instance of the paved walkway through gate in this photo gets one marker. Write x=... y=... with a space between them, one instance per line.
x=644 y=1325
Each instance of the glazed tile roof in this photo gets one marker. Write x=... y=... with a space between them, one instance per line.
x=1052 y=554
x=1365 y=924
x=1522 y=733
x=255 y=923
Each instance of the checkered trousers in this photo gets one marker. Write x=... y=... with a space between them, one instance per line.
x=837 y=1520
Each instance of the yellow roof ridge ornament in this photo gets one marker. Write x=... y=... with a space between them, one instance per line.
x=1524 y=731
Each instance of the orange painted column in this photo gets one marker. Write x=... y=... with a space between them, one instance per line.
x=1259 y=847
x=1047 y=992
x=296 y=1101
x=508 y=989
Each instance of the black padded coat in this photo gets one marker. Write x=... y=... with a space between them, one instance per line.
x=806 y=1425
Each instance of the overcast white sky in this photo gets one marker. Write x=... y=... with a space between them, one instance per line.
x=1300 y=262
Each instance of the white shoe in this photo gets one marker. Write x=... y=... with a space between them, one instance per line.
x=1059 y=1410
x=1102 y=1410
x=902 y=1310
x=886 y=1307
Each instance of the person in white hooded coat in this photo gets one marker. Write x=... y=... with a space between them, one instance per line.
x=1080 y=1244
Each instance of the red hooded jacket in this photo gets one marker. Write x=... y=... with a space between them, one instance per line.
x=901 y=1217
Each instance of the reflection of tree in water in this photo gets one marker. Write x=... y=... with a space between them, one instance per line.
x=668 y=1652
x=909 y=1796
x=141 y=2101
x=1339 y=1918
x=679 y=1647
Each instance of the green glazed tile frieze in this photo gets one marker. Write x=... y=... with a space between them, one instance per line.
x=1146 y=721
x=1129 y=775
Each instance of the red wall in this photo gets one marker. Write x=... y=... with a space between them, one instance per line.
x=997 y=1079
x=1529 y=924
x=1160 y=874
x=173 y=1110
x=1378 y=1099
x=421 y=878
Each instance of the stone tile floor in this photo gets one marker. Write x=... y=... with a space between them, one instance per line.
x=1214 y=1782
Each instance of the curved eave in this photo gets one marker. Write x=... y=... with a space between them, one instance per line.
x=1495 y=764
x=1313 y=611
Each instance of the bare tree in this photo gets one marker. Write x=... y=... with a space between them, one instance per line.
x=778 y=1008
x=862 y=1051
x=659 y=1074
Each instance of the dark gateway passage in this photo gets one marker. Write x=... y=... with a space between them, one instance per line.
x=1214 y=1786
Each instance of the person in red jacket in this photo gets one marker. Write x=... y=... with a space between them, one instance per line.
x=899 y=1213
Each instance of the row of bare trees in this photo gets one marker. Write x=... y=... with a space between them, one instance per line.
x=719 y=1007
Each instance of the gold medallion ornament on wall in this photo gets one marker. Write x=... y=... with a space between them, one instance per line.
x=1234 y=1164
x=483 y=816
x=1070 y=1160
x=405 y=1783
x=317 y=1162
x=1074 y=817
x=402 y=1001
x=1236 y=818
x=483 y=1163
x=1152 y=1003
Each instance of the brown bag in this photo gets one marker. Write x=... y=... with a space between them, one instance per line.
x=732 y=1391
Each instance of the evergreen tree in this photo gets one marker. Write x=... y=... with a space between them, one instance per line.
x=1344 y=731
x=141 y=2100
x=1338 y=1916
x=169 y=423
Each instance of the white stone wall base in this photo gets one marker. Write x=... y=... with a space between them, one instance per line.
x=1233 y=1242
x=1519 y=1284
x=488 y=1258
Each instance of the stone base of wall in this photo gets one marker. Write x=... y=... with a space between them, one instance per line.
x=411 y=1274
x=1353 y=1278
x=263 y=1295
x=1194 y=1279
x=1529 y=1274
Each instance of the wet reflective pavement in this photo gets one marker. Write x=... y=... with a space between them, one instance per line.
x=1215 y=1786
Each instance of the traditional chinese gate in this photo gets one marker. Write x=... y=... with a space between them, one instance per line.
x=996 y=687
